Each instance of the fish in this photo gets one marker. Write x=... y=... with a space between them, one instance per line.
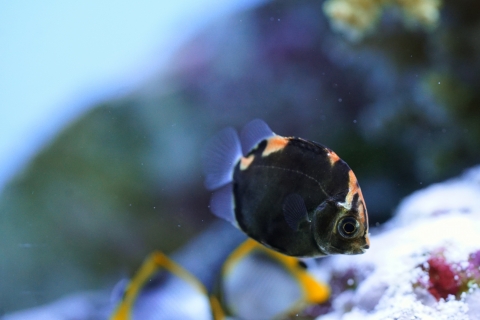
x=290 y=194
x=162 y=289
x=258 y=283
x=253 y=282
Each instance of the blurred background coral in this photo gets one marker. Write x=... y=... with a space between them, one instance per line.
x=105 y=108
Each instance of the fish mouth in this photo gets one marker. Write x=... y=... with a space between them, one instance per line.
x=362 y=249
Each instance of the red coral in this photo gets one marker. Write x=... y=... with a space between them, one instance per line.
x=446 y=279
x=443 y=281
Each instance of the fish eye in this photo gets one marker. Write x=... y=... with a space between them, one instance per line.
x=348 y=227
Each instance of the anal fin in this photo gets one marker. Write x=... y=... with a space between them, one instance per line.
x=222 y=204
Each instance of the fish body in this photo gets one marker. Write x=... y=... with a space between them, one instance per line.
x=292 y=195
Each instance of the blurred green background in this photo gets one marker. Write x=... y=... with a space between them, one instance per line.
x=398 y=101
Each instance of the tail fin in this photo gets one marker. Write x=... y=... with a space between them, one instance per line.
x=220 y=156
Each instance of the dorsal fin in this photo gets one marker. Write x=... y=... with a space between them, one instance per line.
x=254 y=132
x=294 y=211
x=220 y=156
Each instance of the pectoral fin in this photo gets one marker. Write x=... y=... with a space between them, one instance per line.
x=294 y=211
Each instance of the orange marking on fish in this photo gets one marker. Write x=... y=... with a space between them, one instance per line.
x=246 y=162
x=274 y=144
x=332 y=156
x=354 y=188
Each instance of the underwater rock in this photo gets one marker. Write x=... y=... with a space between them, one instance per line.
x=424 y=262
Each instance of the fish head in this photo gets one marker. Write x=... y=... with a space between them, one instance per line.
x=341 y=228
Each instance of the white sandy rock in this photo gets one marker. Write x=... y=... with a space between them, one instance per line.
x=442 y=218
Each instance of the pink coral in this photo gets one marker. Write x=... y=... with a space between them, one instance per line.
x=446 y=278
x=443 y=281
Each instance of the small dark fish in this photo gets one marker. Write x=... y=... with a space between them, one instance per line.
x=292 y=195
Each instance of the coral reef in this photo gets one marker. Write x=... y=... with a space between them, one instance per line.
x=356 y=18
x=446 y=279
